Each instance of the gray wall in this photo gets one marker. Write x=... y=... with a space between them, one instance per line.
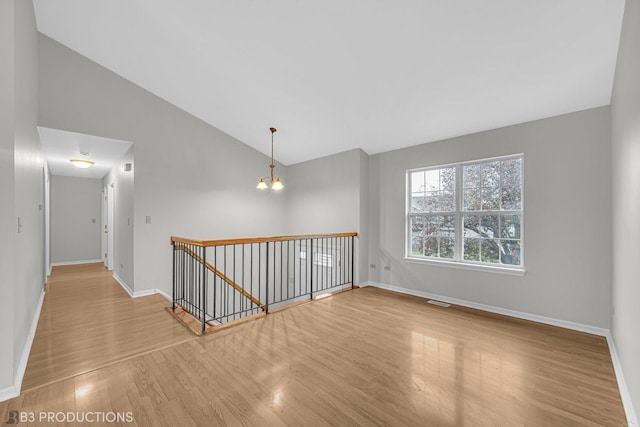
x=567 y=219
x=364 y=222
x=7 y=183
x=29 y=176
x=192 y=179
x=123 y=187
x=323 y=195
x=625 y=153
x=75 y=205
x=21 y=185
x=328 y=195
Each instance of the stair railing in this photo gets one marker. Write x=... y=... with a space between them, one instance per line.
x=223 y=281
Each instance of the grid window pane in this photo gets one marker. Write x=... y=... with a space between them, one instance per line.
x=471 y=176
x=490 y=174
x=490 y=198
x=511 y=198
x=433 y=190
x=416 y=244
x=417 y=182
x=487 y=212
x=489 y=251
x=471 y=226
x=418 y=203
x=431 y=246
x=472 y=199
x=510 y=253
x=510 y=226
x=472 y=249
x=511 y=172
x=447 y=201
x=447 y=248
x=432 y=180
x=448 y=179
x=489 y=226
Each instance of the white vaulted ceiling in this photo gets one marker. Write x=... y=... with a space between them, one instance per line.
x=334 y=75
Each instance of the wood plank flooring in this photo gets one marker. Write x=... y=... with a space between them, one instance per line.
x=365 y=357
x=88 y=321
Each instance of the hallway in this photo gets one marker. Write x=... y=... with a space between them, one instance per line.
x=88 y=322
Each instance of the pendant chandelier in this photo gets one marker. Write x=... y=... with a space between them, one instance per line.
x=275 y=182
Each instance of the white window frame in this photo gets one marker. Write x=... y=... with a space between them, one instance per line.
x=458 y=261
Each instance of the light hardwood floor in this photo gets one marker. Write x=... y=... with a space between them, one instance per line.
x=365 y=357
x=88 y=321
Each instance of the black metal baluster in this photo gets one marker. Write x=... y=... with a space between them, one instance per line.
x=215 y=280
x=267 y=281
x=311 y=268
x=243 y=299
x=352 y=261
x=235 y=291
x=204 y=289
x=281 y=275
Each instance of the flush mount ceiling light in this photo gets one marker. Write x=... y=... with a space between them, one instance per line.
x=82 y=163
x=276 y=184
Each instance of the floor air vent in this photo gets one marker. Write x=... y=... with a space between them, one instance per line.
x=438 y=303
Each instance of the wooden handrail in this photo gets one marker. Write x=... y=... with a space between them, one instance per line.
x=222 y=276
x=208 y=243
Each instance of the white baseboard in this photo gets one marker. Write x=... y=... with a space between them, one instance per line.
x=630 y=413
x=9 y=393
x=498 y=310
x=14 y=391
x=124 y=285
x=86 y=261
x=166 y=296
x=138 y=294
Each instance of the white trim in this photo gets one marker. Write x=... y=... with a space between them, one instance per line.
x=151 y=292
x=124 y=285
x=22 y=367
x=86 y=261
x=138 y=294
x=9 y=393
x=166 y=296
x=14 y=390
x=627 y=403
x=459 y=213
x=498 y=310
x=144 y=293
x=468 y=266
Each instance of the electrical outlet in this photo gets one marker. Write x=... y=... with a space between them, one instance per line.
x=387 y=268
x=93 y=221
x=147 y=219
x=372 y=266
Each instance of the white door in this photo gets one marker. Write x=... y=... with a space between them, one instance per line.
x=47 y=223
x=104 y=229
x=110 y=225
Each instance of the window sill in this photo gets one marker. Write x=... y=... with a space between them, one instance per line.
x=467 y=266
